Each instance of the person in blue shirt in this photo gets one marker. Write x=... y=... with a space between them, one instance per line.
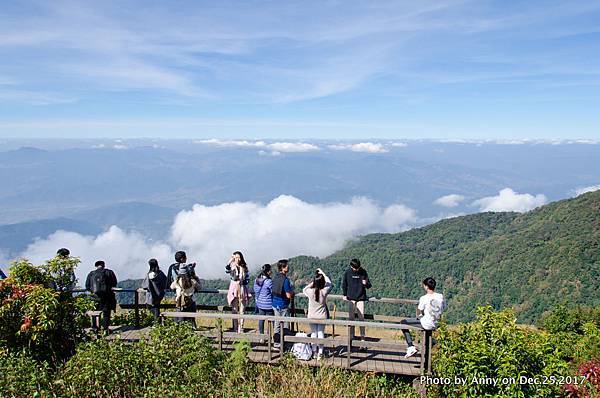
x=283 y=293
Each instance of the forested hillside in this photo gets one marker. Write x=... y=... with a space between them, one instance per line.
x=530 y=261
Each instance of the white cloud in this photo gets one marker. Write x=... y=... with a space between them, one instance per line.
x=285 y=227
x=276 y=147
x=293 y=147
x=127 y=253
x=399 y=144
x=592 y=188
x=509 y=200
x=451 y=200
x=369 y=147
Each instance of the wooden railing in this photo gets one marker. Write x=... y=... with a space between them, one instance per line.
x=349 y=340
x=222 y=308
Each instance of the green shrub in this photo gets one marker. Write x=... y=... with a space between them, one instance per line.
x=494 y=347
x=36 y=317
x=175 y=362
x=23 y=376
x=570 y=319
x=127 y=317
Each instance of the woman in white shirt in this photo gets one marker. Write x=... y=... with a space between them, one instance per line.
x=317 y=292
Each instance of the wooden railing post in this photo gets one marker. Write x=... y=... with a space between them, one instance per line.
x=137 y=309
x=220 y=331
x=270 y=334
x=423 y=350
x=281 y=339
x=348 y=354
x=429 y=338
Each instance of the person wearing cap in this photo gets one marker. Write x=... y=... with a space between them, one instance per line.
x=100 y=282
x=155 y=285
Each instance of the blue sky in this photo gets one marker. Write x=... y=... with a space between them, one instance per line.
x=280 y=69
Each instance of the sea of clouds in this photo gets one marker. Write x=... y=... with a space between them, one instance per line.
x=283 y=228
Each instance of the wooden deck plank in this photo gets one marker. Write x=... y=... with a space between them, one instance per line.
x=388 y=358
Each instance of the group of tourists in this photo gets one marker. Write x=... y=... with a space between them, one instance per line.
x=273 y=294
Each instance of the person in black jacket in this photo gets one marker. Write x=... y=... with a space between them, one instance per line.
x=155 y=284
x=354 y=286
x=101 y=282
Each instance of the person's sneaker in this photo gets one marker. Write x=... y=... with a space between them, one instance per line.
x=276 y=345
x=410 y=351
x=319 y=357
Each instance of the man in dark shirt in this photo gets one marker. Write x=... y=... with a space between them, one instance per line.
x=354 y=286
x=101 y=282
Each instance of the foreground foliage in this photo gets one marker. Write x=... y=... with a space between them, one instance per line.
x=38 y=313
x=524 y=362
x=176 y=362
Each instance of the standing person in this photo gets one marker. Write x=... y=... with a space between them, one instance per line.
x=431 y=305
x=155 y=284
x=173 y=272
x=283 y=293
x=317 y=292
x=101 y=282
x=354 y=286
x=185 y=285
x=263 y=297
x=237 y=295
x=63 y=279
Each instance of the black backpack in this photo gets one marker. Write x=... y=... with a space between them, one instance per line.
x=100 y=282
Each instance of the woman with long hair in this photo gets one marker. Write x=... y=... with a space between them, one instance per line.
x=237 y=295
x=317 y=292
x=155 y=284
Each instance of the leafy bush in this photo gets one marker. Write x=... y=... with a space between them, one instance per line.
x=22 y=376
x=571 y=320
x=494 y=347
x=38 y=318
x=579 y=330
x=128 y=318
x=589 y=386
x=174 y=362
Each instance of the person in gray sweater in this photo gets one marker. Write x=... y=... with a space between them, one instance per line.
x=317 y=292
